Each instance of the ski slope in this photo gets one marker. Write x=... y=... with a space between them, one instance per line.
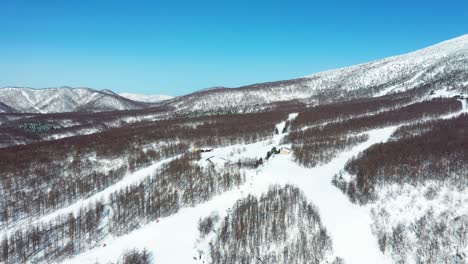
x=348 y=224
x=174 y=239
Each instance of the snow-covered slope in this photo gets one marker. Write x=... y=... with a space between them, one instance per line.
x=62 y=99
x=146 y=98
x=444 y=65
x=6 y=109
x=399 y=73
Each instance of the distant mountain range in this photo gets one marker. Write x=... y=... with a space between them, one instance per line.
x=68 y=99
x=63 y=99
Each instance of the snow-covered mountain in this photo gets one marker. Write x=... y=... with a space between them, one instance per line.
x=441 y=66
x=62 y=99
x=374 y=172
x=146 y=98
x=444 y=65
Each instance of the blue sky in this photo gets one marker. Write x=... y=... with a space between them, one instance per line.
x=175 y=47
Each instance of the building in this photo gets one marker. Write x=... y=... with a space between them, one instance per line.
x=285 y=151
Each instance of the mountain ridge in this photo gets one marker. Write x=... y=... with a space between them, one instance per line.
x=63 y=99
x=443 y=65
x=440 y=66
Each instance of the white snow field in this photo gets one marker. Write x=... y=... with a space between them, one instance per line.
x=174 y=239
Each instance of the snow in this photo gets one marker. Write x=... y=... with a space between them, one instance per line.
x=292 y=116
x=400 y=198
x=174 y=239
x=387 y=90
x=281 y=125
x=405 y=204
x=445 y=93
x=30 y=100
x=146 y=98
x=400 y=87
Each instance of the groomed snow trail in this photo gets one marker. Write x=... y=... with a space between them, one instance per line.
x=173 y=239
x=348 y=224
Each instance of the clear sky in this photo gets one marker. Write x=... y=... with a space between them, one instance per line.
x=175 y=47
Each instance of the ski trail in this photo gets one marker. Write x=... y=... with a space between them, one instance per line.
x=348 y=224
x=102 y=195
x=463 y=102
